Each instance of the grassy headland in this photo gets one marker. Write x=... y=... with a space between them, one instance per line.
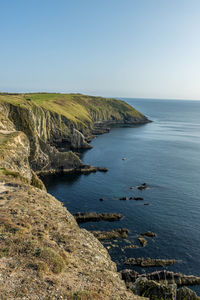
x=75 y=107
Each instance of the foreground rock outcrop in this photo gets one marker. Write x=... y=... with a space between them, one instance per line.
x=45 y=255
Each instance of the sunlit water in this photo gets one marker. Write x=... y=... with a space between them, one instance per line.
x=166 y=155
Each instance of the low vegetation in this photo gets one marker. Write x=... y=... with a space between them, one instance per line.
x=75 y=107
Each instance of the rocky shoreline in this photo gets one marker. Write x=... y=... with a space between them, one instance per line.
x=44 y=254
x=157 y=285
x=161 y=284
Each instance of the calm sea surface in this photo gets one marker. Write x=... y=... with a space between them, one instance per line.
x=166 y=155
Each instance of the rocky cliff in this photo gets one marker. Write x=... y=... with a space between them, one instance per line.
x=49 y=120
x=43 y=252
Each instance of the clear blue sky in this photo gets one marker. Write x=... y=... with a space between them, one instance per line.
x=129 y=48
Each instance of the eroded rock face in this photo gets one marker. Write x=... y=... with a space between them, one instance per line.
x=77 y=140
x=44 y=129
x=14 y=152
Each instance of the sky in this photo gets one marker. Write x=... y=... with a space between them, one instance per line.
x=111 y=48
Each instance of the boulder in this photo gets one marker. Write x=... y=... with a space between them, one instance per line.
x=143 y=241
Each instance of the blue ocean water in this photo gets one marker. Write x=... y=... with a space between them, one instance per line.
x=166 y=155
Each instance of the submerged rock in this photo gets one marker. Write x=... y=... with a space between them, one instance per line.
x=123 y=198
x=82 y=217
x=149 y=262
x=131 y=247
x=112 y=234
x=149 y=234
x=143 y=186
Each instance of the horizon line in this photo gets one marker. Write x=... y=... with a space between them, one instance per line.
x=85 y=94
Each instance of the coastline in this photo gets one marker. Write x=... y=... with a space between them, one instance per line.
x=49 y=244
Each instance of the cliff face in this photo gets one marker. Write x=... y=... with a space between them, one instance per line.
x=50 y=119
x=43 y=252
x=44 y=129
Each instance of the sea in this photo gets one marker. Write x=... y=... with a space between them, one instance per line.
x=164 y=154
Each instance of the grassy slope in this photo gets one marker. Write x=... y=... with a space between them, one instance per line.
x=75 y=107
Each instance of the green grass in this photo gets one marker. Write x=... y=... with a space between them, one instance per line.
x=75 y=107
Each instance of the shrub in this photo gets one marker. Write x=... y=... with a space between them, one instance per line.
x=53 y=259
